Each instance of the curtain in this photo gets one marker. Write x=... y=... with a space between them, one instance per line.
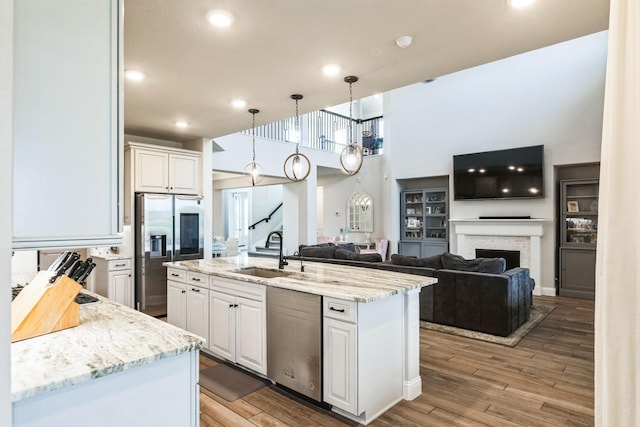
x=617 y=313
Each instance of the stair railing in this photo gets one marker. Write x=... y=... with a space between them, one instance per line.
x=266 y=218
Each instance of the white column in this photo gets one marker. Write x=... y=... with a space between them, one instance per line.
x=412 y=382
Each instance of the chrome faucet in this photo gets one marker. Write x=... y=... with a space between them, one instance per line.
x=281 y=260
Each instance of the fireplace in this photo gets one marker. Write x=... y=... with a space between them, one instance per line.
x=523 y=235
x=511 y=257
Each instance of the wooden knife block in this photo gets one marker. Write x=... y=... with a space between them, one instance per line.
x=43 y=307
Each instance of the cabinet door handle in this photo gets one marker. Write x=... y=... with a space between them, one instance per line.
x=120 y=265
x=233 y=305
x=195 y=290
x=175 y=275
x=183 y=291
x=195 y=279
x=339 y=310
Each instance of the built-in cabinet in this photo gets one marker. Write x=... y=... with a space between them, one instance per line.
x=164 y=170
x=238 y=323
x=66 y=128
x=578 y=237
x=229 y=313
x=424 y=229
x=158 y=169
x=113 y=279
x=360 y=379
x=188 y=301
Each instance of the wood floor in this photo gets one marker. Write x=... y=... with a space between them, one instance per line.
x=546 y=380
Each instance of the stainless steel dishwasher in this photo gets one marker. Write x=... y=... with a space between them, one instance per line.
x=294 y=341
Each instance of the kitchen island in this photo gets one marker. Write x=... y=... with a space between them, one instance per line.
x=369 y=319
x=117 y=367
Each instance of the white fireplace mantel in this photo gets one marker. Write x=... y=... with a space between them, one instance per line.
x=524 y=235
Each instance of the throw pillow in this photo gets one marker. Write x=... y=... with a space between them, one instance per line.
x=318 y=252
x=345 y=254
x=478 y=265
x=347 y=246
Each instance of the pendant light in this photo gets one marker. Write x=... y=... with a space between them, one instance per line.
x=253 y=170
x=351 y=156
x=297 y=166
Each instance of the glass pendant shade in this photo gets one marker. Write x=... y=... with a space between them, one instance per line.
x=297 y=166
x=253 y=171
x=351 y=156
x=351 y=159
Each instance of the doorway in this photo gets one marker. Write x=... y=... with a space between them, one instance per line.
x=238 y=215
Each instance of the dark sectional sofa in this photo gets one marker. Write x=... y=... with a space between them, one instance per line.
x=475 y=294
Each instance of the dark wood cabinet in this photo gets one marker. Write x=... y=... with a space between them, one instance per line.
x=578 y=237
x=424 y=216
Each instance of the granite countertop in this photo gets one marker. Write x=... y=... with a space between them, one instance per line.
x=110 y=338
x=111 y=257
x=332 y=280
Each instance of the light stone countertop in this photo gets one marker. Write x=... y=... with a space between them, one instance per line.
x=332 y=280
x=110 y=338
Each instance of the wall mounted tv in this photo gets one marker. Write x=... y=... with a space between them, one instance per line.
x=501 y=174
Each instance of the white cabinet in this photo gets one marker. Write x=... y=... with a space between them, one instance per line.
x=66 y=129
x=363 y=356
x=177 y=304
x=164 y=170
x=188 y=301
x=238 y=326
x=340 y=364
x=113 y=280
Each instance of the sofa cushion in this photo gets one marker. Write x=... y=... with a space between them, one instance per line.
x=345 y=254
x=369 y=257
x=431 y=262
x=478 y=265
x=403 y=260
x=318 y=251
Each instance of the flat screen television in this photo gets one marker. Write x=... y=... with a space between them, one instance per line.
x=502 y=174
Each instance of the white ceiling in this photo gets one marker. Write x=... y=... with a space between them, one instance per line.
x=277 y=47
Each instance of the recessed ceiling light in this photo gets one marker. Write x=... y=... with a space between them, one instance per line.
x=404 y=41
x=135 y=75
x=331 y=70
x=220 y=18
x=520 y=3
x=238 y=103
x=181 y=124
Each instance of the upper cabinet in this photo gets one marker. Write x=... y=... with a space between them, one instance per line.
x=157 y=169
x=67 y=127
x=164 y=170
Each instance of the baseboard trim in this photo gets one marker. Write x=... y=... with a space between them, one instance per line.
x=412 y=388
x=548 y=292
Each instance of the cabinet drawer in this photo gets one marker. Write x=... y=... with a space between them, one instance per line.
x=340 y=309
x=237 y=288
x=120 y=264
x=176 y=275
x=198 y=279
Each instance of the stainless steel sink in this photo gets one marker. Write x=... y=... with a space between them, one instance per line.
x=262 y=272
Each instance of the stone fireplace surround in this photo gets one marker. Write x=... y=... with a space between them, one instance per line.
x=522 y=235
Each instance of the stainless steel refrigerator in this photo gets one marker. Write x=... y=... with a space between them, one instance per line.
x=167 y=228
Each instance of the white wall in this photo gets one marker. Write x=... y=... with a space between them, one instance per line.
x=552 y=96
x=263 y=201
x=6 y=189
x=337 y=189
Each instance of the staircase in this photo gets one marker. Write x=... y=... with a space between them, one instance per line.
x=272 y=251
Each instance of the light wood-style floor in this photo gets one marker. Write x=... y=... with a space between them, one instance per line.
x=546 y=380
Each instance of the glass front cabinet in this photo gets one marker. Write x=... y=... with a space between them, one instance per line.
x=578 y=237
x=424 y=222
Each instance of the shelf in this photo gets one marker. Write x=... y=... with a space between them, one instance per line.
x=581 y=213
x=595 y=196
